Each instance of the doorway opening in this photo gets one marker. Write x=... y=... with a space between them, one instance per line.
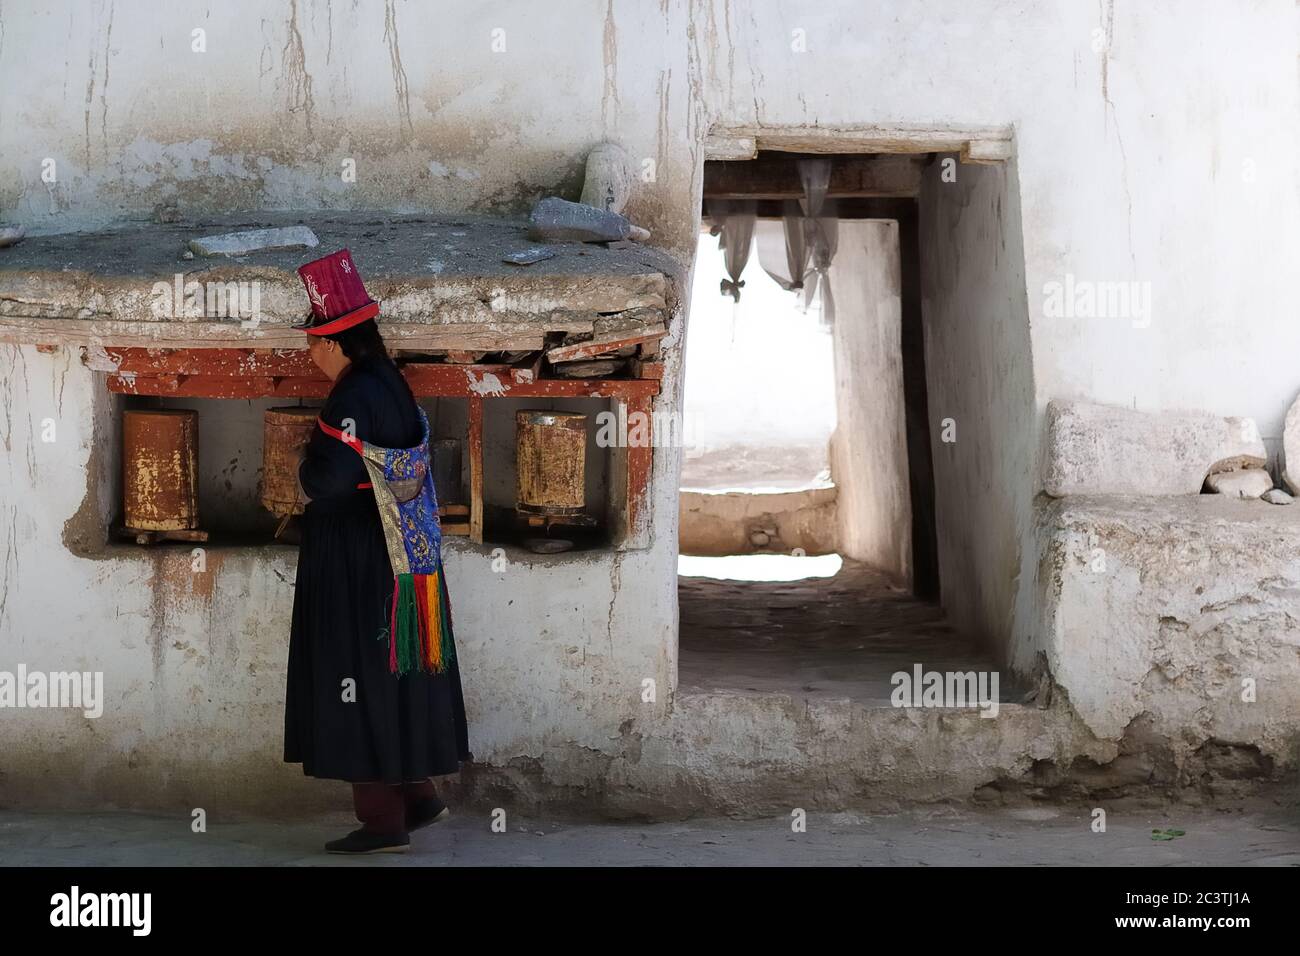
x=810 y=536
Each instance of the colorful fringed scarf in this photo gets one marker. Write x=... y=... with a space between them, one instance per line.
x=419 y=628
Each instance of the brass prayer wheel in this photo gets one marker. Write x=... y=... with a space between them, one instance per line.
x=285 y=432
x=550 y=462
x=160 y=466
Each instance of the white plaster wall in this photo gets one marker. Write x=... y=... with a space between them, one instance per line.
x=554 y=650
x=483 y=107
x=869 y=451
x=1156 y=142
x=979 y=376
x=1156 y=138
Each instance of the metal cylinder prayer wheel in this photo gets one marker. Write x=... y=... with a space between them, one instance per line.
x=550 y=460
x=160 y=467
x=285 y=432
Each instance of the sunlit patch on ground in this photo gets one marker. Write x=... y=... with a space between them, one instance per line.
x=760 y=567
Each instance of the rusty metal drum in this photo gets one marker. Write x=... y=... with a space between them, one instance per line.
x=550 y=462
x=160 y=467
x=285 y=432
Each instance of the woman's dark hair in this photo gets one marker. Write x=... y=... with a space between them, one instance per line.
x=361 y=342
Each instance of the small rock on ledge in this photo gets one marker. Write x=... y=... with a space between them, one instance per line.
x=1291 y=448
x=1246 y=483
x=254 y=240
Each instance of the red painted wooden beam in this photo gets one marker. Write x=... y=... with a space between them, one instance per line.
x=246 y=373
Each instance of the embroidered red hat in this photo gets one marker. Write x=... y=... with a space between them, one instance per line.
x=338 y=298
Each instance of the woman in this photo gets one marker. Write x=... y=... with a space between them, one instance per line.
x=374 y=694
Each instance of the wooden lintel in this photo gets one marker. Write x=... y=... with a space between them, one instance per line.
x=986 y=152
x=772 y=176
x=736 y=142
x=724 y=145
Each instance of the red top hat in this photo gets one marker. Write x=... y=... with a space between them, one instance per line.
x=338 y=297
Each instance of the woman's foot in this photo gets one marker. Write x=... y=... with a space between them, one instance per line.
x=363 y=841
x=425 y=812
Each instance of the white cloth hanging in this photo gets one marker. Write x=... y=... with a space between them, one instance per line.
x=734 y=220
x=825 y=231
x=783 y=249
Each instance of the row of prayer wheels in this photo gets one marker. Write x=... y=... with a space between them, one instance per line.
x=160 y=465
x=161 y=456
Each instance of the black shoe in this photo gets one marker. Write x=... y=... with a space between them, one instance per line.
x=426 y=812
x=363 y=841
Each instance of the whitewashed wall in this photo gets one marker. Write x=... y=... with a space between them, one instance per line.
x=193 y=658
x=981 y=398
x=1156 y=139
x=869 y=457
x=1156 y=143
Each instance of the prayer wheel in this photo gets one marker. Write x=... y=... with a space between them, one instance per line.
x=550 y=461
x=160 y=467
x=285 y=432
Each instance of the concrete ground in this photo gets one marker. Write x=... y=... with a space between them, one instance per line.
x=819 y=638
x=1262 y=832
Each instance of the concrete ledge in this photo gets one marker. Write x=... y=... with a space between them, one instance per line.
x=1158 y=613
x=1102 y=450
x=427 y=271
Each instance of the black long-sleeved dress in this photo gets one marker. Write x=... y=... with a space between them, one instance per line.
x=389 y=728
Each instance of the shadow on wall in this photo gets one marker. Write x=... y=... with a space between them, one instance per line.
x=980 y=378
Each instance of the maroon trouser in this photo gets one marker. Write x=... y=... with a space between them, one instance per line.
x=382 y=807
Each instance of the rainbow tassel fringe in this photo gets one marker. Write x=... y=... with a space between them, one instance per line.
x=420 y=635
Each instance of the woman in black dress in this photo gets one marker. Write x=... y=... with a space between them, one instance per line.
x=347 y=715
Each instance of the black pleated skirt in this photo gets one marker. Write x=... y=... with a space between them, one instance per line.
x=382 y=728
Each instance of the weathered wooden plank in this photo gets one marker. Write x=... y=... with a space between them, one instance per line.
x=474 y=441
x=201 y=334
x=987 y=152
x=255 y=362
x=175 y=375
x=527 y=370
x=219 y=386
x=645 y=369
x=733 y=141
x=489 y=381
x=591 y=348
x=640 y=462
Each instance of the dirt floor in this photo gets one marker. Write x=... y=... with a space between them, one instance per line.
x=1263 y=832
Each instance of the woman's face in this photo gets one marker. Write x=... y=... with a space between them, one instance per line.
x=327 y=355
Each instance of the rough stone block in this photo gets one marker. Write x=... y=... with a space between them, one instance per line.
x=1185 y=609
x=1105 y=450
x=1243 y=483
x=1291 y=448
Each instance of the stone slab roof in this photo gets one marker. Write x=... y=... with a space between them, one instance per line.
x=441 y=279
